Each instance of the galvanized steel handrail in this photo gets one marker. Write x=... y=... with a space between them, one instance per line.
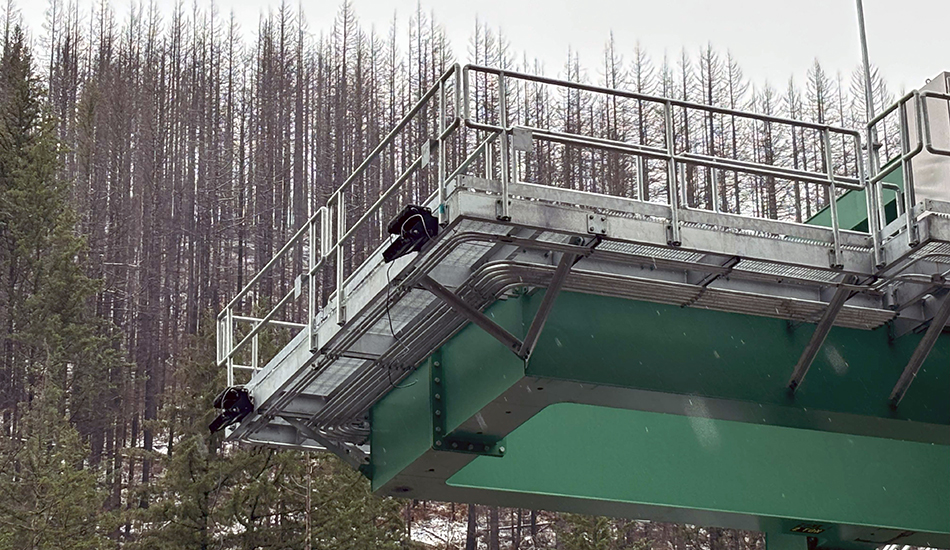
x=677 y=160
x=654 y=99
x=328 y=226
x=331 y=239
x=916 y=103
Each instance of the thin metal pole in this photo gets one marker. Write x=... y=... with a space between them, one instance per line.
x=907 y=168
x=836 y=262
x=868 y=95
x=462 y=307
x=547 y=303
x=441 y=142
x=872 y=161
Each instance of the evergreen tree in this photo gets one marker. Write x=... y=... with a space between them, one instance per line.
x=53 y=350
x=216 y=495
x=580 y=532
x=47 y=499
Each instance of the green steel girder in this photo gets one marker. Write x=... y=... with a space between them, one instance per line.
x=852 y=206
x=648 y=411
x=444 y=439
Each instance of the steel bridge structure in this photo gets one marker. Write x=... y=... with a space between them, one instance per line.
x=644 y=341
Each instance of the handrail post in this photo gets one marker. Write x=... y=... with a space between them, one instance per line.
x=672 y=187
x=458 y=90
x=875 y=225
x=643 y=179
x=230 y=346
x=836 y=262
x=442 y=156
x=340 y=272
x=255 y=349
x=907 y=169
x=311 y=286
x=219 y=339
x=466 y=97
x=714 y=188
x=503 y=213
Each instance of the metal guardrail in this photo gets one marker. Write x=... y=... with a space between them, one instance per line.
x=328 y=237
x=335 y=241
x=676 y=160
x=916 y=137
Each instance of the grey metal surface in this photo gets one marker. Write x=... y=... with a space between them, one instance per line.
x=931 y=170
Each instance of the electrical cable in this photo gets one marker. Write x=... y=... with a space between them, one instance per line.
x=389 y=286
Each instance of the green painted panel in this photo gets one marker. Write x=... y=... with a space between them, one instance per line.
x=736 y=357
x=853 y=209
x=477 y=367
x=402 y=426
x=699 y=463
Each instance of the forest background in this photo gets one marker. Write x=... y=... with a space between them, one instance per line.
x=150 y=166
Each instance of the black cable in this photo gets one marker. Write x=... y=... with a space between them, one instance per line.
x=389 y=286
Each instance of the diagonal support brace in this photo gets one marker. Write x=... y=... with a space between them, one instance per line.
x=353 y=456
x=821 y=332
x=472 y=314
x=921 y=351
x=521 y=349
x=547 y=303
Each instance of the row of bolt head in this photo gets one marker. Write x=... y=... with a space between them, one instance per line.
x=471 y=446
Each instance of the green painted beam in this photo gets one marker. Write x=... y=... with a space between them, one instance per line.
x=853 y=209
x=711 y=387
x=670 y=460
x=740 y=358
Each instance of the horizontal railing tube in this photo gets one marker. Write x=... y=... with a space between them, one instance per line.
x=656 y=99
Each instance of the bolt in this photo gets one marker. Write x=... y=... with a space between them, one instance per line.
x=591 y=228
x=438 y=443
x=455 y=445
x=438 y=413
x=501 y=450
x=437 y=380
x=437 y=396
x=471 y=447
x=437 y=364
x=590 y=217
x=438 y=429
x=603 y=218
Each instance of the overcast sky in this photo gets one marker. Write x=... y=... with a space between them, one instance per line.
x=771 y=39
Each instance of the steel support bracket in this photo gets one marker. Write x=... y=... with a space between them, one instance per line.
x=456 y=442
x=921 y=351
x=521 y=349
x=827 y=321
x=352 y=455
x=564 y=266
x=475 y=316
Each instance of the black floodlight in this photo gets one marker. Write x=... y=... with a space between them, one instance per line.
x=236 y=404
x=413 y=227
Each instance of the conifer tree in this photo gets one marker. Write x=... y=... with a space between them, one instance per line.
x=54 y=351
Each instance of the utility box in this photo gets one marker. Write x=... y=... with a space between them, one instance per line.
x=932 y=169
